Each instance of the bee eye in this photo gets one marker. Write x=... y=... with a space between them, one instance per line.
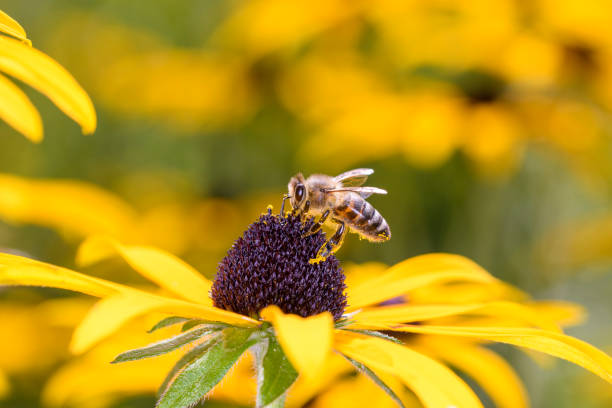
x=299 y=193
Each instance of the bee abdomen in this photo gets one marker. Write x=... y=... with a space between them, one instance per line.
x=365 y=219
x=377 y=228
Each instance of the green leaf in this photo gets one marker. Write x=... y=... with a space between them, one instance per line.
x=365 y=370
x=198 y=377
x=275 y=374
x=342 y=322
x=190 y=324
x=378 y=334
x=168 y=321
x=189 y=358
x=164 y=346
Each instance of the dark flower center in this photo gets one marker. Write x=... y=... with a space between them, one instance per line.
x=269 y=265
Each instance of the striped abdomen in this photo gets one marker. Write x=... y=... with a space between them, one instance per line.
x=362 y=217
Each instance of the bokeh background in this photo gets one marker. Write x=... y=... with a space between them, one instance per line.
x=487 y=121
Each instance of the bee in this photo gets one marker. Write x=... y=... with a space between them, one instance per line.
x=344 y=200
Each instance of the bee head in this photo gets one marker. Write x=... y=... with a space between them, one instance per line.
x=297 y=191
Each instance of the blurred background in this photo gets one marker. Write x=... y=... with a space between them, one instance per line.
x=488 y=123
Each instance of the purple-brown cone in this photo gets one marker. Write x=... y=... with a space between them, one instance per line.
x=269 y=265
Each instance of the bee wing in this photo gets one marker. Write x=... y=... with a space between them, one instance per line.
x=364 y=192
x=353 y=178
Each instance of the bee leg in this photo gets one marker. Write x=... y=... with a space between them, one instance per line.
x=282 y=210
x=332 y=244
x=317 y=225
x=305 y=209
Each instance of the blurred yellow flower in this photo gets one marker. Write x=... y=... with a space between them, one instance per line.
x=263 y=26
x=20 y=60
x=170 y=220
x=74 y=207
x=186 y=88
x=37 y=335
x=89 y=381
x=410 y=91
x=307 y=341
x=578 y=243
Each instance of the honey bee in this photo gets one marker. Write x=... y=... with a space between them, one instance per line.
x=342 y=198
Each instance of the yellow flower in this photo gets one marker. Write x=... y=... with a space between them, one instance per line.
x=294 y=314
x=184 y=88
x=71 y=384
x=20 y=60
x=264 y=26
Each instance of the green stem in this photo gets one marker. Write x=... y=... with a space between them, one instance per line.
x=259 y=351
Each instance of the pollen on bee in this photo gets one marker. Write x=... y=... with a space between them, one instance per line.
x=383 y=235
x=316 y=260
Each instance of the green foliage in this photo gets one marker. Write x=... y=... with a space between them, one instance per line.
x=168 y=321
x=275 y=375
x=189 y=358
x=164 y=346
x=190 y=324
x=199 y=376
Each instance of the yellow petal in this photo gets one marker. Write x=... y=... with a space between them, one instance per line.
x=73 y=207
x=166 y=270
x=306 y=389
x=18 y=270
x=91 y=382
x=12 y=27
x=111 y=313
x=353 y=391
x=496 y=377
x=564 y=313
x=467 y=292
x=554 y=344
x=4 y=385
x=48 y=77
x=306 y=341
x=414 y=273
x=413 y=313
x=435 y=384
x=17 y=110
x=108 y=316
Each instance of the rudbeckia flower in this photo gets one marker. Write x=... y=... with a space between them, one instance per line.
x=295 y=316
x=88 y=380
x=19 y=60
